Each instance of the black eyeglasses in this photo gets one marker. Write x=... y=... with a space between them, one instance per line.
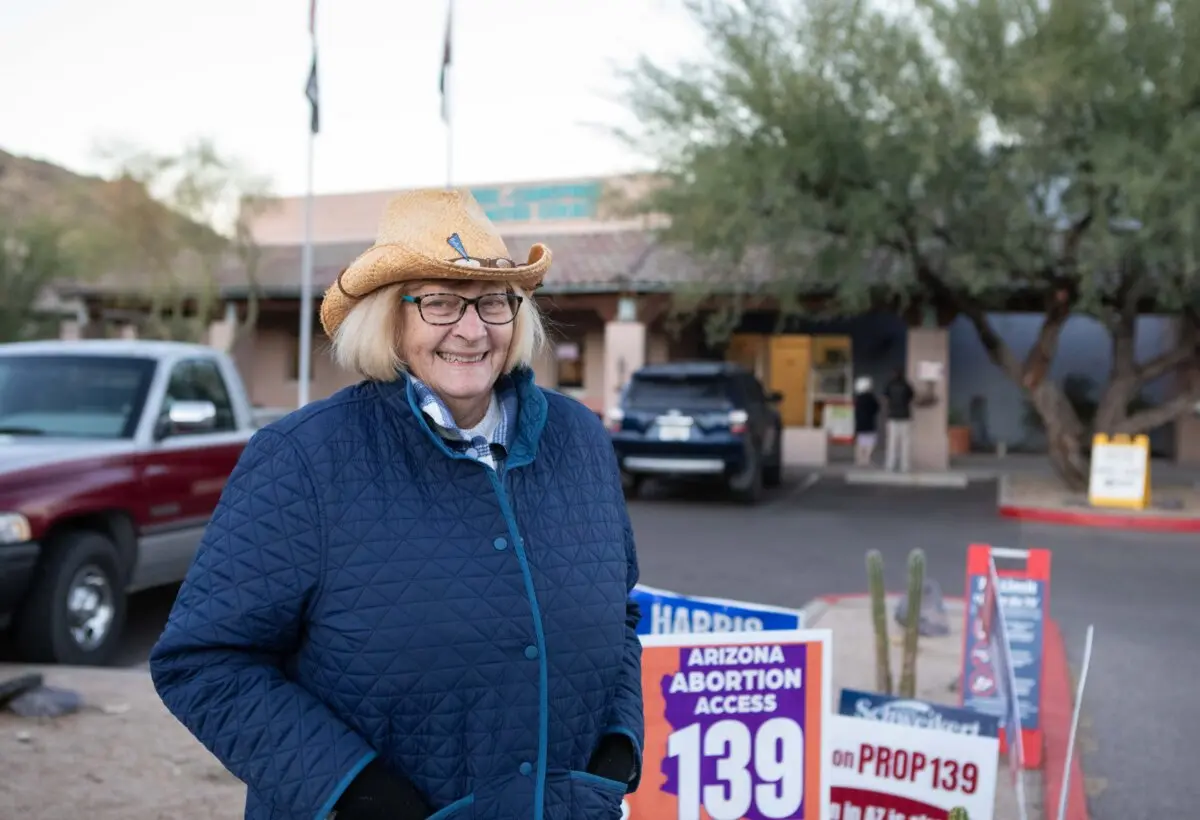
x=448 y=308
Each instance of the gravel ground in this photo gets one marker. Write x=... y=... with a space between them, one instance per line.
x=123 y=757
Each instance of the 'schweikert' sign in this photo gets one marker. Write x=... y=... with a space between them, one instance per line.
x=917 y=713
x=734 y=726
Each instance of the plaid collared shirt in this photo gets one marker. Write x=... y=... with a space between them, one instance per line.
x=488 y=451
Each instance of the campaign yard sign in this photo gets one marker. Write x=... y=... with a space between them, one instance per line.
x=1003 y=644
x=735 y=726
x=885 y=771
x=921 y=714
x=665 y=612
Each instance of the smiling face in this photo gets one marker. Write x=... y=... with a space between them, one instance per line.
x=459 y=361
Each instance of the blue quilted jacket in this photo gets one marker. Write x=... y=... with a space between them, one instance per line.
x=363 y=591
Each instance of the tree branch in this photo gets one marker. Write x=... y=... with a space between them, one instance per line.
x=1041 y=355
x=1186 y=350
x=997 y=350
x=1153 y=417
x=1124 y=327
x=1164 y=363
x=993 y=344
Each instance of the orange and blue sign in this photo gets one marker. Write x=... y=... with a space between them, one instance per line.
x=1003 y=642
x=735 y=726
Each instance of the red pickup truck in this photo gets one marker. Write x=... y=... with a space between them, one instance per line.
x=113 y=454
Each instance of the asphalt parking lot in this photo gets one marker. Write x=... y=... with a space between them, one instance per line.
x=809 y=539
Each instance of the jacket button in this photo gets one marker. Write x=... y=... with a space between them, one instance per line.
x=531 y=652
x=500 y=543
x=526 y=769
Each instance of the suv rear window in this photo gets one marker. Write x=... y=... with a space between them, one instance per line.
x=685 y=391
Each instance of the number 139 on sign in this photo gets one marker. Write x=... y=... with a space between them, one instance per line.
x=759 y=769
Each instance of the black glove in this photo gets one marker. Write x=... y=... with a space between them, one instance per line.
x=614 y=759
x=377 y=794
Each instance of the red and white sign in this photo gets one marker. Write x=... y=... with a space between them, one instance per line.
x=885 y=771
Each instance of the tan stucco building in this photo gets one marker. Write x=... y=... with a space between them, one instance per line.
x=607 y=300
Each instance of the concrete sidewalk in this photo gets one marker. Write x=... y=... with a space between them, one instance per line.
x=1174 y=505
x=938 y=667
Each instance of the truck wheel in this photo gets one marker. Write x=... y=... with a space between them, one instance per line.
x=75 y=610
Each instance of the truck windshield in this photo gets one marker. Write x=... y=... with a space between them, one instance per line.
x=78 y=396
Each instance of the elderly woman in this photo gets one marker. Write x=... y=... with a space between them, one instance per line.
x=413 y=599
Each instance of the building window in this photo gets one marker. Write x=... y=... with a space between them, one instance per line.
x=570 y=364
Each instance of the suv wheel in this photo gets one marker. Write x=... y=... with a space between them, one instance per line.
x=75 y=610
x=747 y=487
x=631 y=484
x=773 y=475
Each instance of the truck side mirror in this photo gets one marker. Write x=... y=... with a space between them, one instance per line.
x=184 y=417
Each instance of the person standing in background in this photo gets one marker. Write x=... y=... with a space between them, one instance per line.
x=866 y=415
x=899 y=395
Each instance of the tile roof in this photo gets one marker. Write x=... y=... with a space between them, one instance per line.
x=596 y=260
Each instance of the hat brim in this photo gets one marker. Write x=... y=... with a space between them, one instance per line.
x=383 y=265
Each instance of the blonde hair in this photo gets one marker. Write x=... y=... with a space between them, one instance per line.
x=367 y=342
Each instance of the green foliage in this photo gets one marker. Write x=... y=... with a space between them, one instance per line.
x=970 y=156
x=954 y=155
x=32 y=257
x=883 y=662
x=916 y=583
x=182 y=223
x=958 y=813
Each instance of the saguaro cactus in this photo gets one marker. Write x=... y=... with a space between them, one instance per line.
x=958 y=813
x=883 y=660
x=916 y=582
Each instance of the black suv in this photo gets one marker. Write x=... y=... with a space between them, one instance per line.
x=698 y=420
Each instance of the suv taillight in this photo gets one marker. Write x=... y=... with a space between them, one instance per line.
x=613 y=419
x=737 y=421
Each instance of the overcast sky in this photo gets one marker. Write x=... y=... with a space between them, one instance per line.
x=529 y=77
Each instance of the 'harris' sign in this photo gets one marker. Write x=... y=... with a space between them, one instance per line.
x=666 y=613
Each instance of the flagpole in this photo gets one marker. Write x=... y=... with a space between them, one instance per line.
x=304 y=363
x=306 y=285
x=447 y=94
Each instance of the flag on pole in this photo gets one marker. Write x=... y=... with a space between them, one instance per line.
x=312 y=90
x=313 y=94
x=444 y=84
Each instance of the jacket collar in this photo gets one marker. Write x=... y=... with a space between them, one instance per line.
x=531 y=413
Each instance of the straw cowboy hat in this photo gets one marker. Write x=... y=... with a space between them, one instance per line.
x=430 y=234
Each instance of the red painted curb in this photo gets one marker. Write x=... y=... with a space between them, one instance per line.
x=1058 y=702
x=1147 y=523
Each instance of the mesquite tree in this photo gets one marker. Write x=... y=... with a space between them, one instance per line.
x=968 y=155
x=181 y=226
x=33 y=257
